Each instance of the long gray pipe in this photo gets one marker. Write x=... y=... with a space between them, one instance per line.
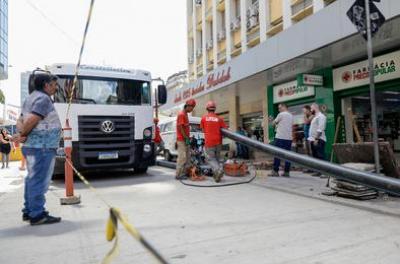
x=383 y=183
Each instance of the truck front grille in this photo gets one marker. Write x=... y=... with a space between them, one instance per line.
x=94 y=140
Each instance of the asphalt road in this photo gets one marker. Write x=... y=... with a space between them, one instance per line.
x=269 y=221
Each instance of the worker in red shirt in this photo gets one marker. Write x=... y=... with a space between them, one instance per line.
x=183 y=140
x=211 y=125
x=157 y=136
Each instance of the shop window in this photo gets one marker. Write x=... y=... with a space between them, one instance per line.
x=388 y=115
x=298 y=127
x=253 y=125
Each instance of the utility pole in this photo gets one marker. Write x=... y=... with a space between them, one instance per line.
x=372 y=87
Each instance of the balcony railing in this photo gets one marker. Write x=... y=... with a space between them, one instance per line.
x=301 y=9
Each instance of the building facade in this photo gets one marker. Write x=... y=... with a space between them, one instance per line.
x=249 y=55
x=174 y=83
x=3 y=39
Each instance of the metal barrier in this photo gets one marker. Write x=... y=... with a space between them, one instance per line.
x=382 y=183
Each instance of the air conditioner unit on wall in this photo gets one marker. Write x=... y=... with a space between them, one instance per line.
x=235 y=25
x=209 y=45
x=221 y=35
x=253 y=21
x=198 y=2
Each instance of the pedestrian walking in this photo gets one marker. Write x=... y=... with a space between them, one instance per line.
x=211 y=125
x=39 y=128
x=283 y=124
x=317 y=137
x=5 y=148
x=183 y=140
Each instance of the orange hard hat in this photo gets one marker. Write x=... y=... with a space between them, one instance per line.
x=211 y=105
x=191 y=102
x=156 y=120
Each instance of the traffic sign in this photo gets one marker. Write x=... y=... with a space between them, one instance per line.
x=357 y=15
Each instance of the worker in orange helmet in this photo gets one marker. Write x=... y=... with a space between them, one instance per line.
x=157 y=136
x=183 y=140
x=211 y=125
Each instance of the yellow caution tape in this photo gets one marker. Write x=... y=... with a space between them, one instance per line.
x=112 y=226
x=111 y=234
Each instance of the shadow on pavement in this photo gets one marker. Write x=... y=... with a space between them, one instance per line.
x=65 y=226
x=115 y=178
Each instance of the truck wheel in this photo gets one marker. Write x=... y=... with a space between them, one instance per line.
x=140 y=170
x=167 y=155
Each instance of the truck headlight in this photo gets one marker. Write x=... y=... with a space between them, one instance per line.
x=147 y=133
x=146 y=148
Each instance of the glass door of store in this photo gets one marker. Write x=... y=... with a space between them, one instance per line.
x=358 y=108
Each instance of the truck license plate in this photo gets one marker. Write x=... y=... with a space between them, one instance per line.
x=108 y=155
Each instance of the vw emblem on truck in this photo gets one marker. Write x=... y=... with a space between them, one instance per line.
x=107 y=126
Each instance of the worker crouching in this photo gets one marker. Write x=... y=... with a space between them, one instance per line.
x=211 y=125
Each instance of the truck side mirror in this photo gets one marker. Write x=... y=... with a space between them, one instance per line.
x=162 y=94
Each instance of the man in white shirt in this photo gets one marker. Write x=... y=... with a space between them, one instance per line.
x=283 y=137
x=317 y=137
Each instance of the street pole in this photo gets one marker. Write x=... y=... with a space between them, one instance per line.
x=156 y=101
x=372 y=87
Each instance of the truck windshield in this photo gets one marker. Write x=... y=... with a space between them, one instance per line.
x=90 y=90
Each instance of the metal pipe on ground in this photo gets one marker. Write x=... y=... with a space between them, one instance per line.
x=168 y=164
x=382 y=183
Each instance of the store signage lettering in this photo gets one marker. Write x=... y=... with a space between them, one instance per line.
x=12 y=115
x=363 y=73
x=386 y=68
x=310 y=79
x=213 y=79
x=290 y=91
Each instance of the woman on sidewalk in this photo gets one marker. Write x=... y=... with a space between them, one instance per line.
x=5 y=148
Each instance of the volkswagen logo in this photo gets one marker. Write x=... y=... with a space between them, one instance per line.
x=107 y=126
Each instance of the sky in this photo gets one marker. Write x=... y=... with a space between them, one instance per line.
x=138 y=34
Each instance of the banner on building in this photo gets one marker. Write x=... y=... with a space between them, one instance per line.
x=386 y=68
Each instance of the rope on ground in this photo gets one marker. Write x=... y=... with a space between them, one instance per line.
x=112 y=226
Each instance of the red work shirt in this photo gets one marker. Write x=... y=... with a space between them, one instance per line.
x=211 y=125
x=182 y=120
x=157 y=136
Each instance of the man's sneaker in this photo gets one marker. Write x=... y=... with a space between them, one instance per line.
x=286 y=174
x=273 y=174
x=181 y=177
x=26 y=217
x=45 y=220
x=218 y=175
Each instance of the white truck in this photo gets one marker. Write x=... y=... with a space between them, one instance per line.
x=111 y=116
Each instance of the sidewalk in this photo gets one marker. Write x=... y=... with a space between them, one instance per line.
x=272 y=220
